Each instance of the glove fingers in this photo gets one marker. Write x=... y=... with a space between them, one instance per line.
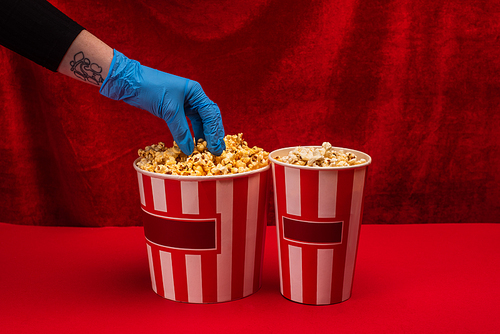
x=197 y=125
x=213 y=130
x=179 y=128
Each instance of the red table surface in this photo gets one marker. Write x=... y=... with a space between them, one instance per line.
x=431 y=278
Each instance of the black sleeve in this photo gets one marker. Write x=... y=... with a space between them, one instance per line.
x=37 y=30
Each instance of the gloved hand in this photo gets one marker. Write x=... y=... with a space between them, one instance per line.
x=169 y=97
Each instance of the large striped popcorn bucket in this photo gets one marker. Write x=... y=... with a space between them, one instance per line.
x=318 y=218
x=204 y=234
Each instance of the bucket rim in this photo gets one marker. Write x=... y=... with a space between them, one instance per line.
x=285 y=150
x=199 y=178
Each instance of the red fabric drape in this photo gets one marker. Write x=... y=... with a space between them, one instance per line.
x=414 y=84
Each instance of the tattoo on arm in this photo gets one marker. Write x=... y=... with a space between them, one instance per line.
x=85 y=70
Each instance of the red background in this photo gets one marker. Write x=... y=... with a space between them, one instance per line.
x=412 y=83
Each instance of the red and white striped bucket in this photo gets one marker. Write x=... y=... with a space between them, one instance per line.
x=204 y=234
x=318 y=218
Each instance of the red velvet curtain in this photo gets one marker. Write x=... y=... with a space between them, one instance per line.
x=415 y=84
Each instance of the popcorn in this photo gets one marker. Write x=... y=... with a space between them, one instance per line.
x=236 y=158
x=323 y=156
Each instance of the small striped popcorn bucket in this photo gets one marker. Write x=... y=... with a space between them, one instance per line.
x=318 y=218
x=204 y=234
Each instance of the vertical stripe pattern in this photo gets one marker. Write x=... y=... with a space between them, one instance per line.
x=318 y=273
x=327 y=193
x=141 y=189
x=295 y=265
x=232 y=269
x=251 y=235
x=292 y=190
x=167 y=274
x=224 y=264
x=151 y=272
x=324 y=275
x=159 y=197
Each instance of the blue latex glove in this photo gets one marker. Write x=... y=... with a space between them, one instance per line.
x=169 y=97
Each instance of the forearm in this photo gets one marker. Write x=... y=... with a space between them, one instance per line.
x=37 y=30
x=87 y=59
x=40 y=32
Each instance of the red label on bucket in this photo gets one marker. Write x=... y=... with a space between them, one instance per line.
x=200 y=234
x=312 y=232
